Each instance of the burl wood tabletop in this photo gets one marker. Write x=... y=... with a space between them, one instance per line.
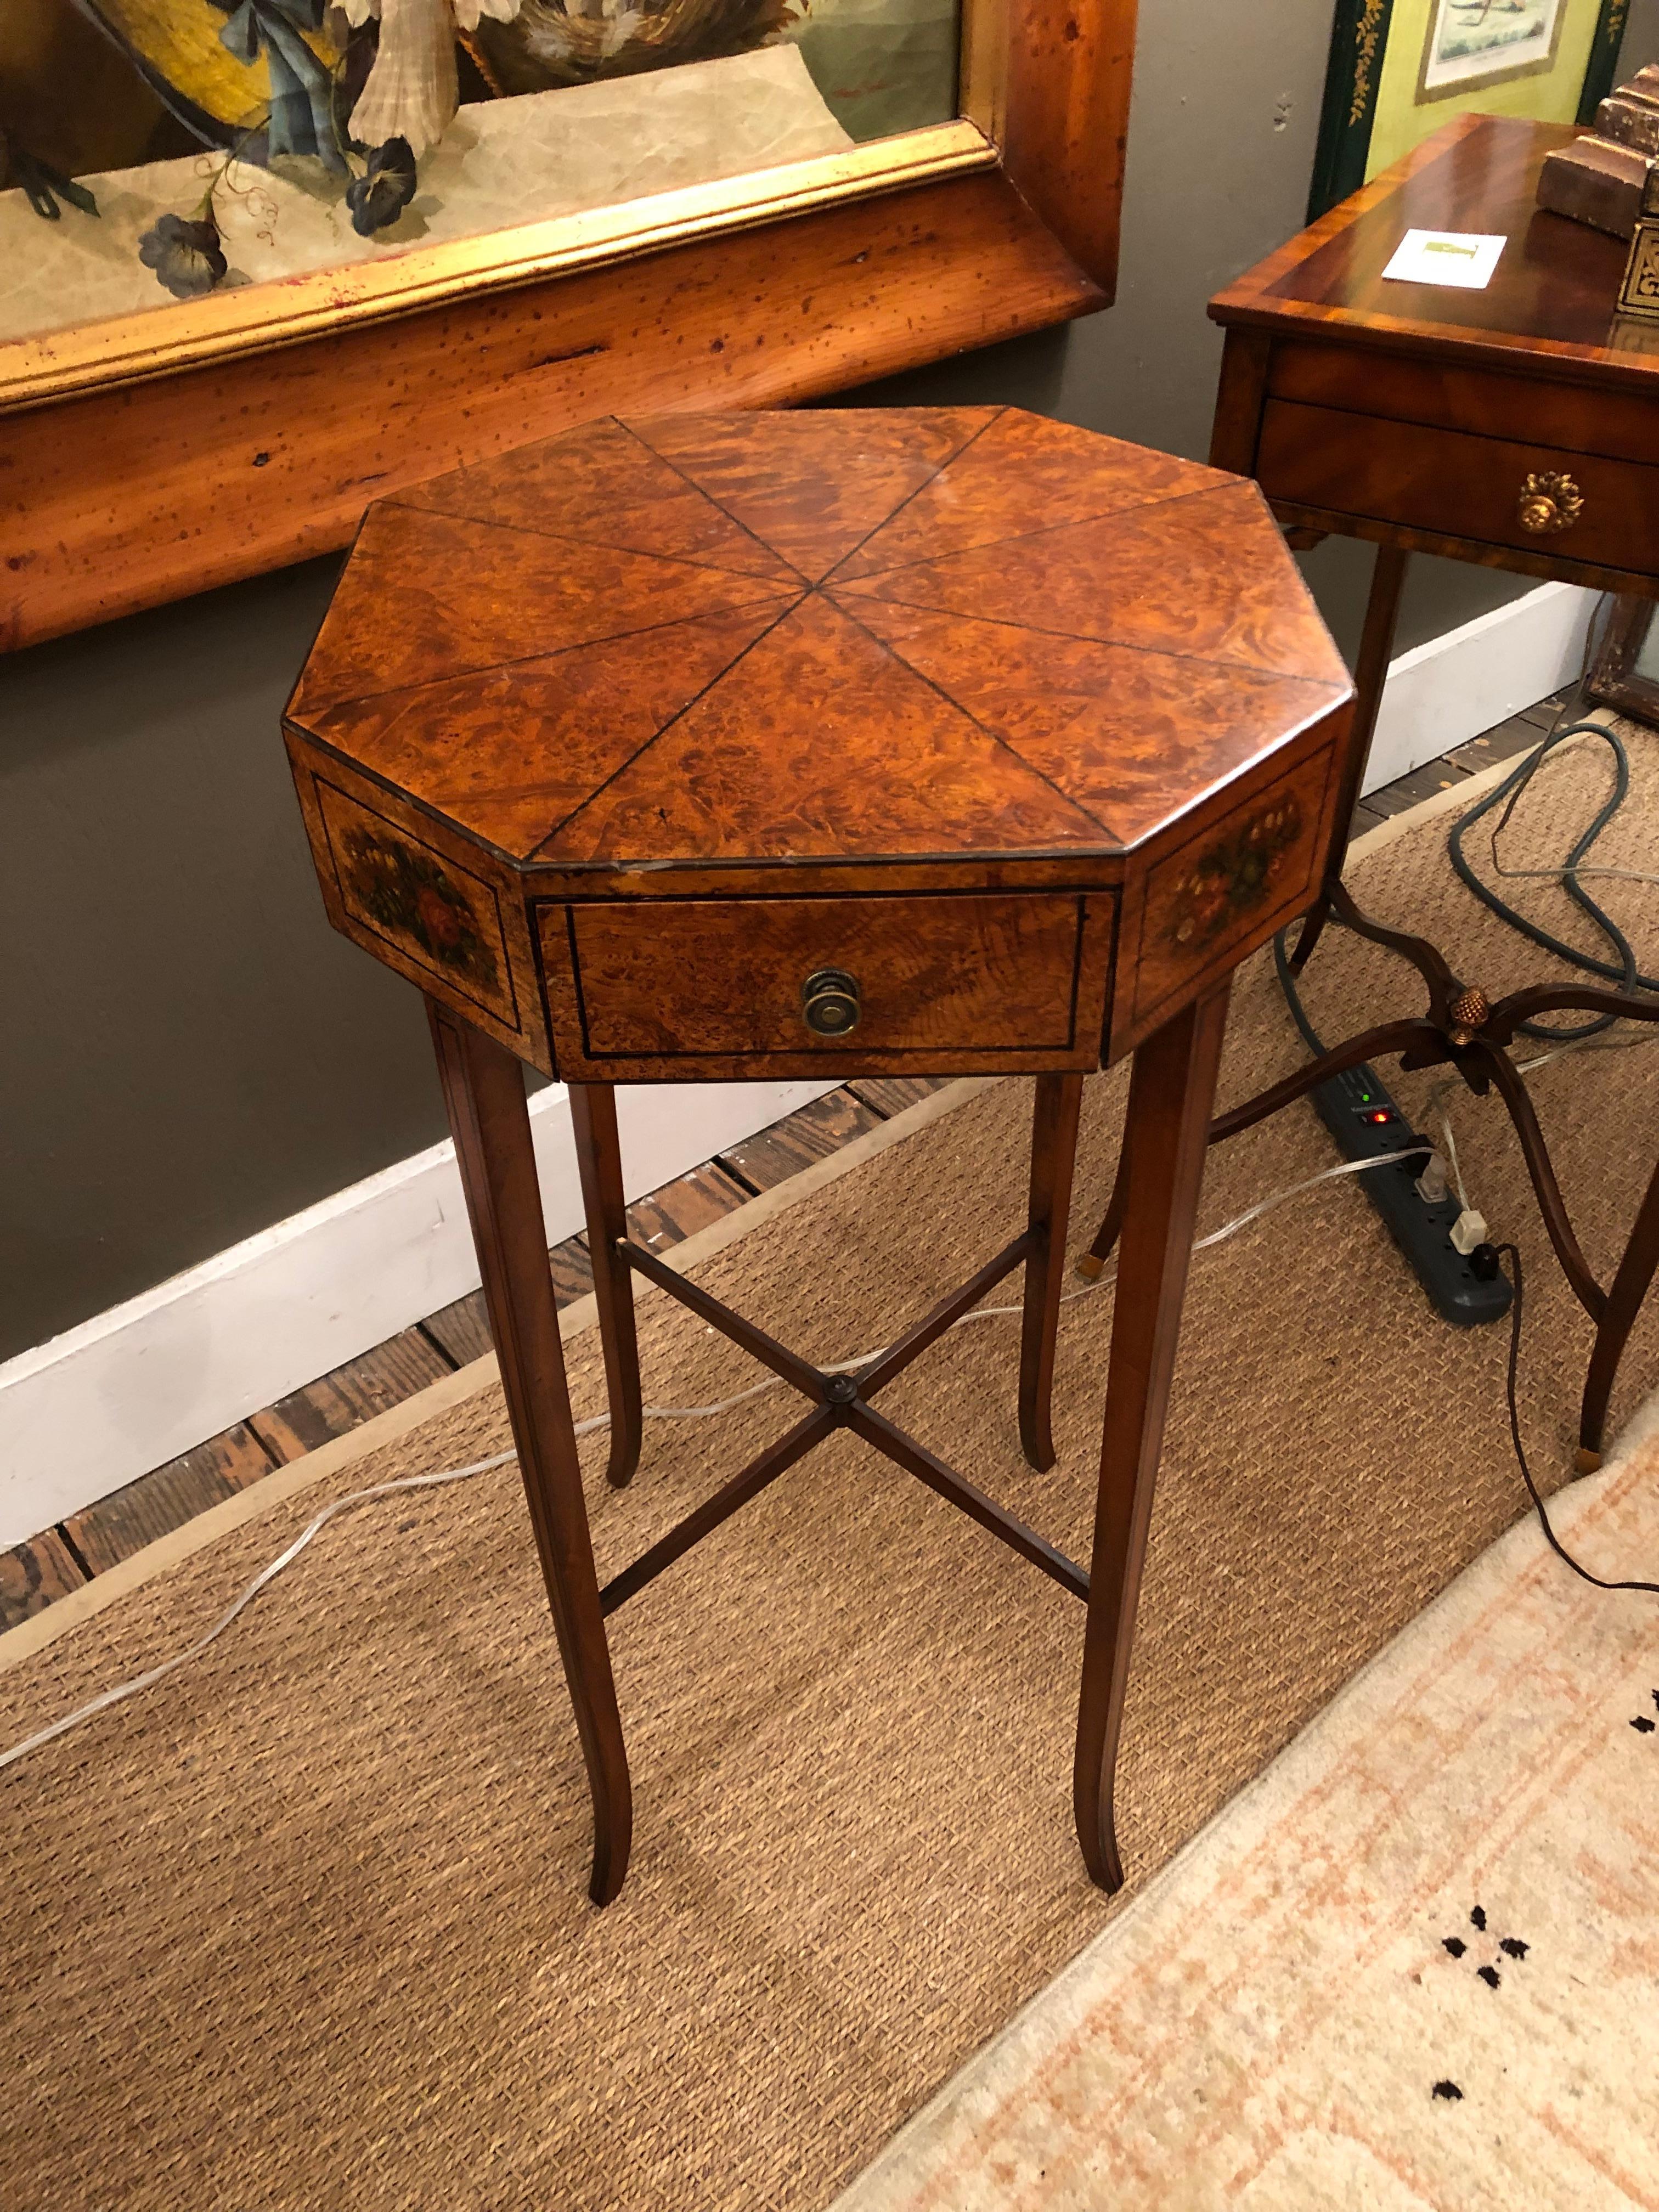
x=843 y=634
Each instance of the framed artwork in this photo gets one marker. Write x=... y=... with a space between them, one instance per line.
x=1398 y=68
x=267 y=260
x=1625 y=671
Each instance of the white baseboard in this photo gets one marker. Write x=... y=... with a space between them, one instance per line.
x=1443 y=694
x=133 y=1387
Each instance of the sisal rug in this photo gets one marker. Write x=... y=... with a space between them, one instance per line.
x=306 y=1926
x=1412 y=1968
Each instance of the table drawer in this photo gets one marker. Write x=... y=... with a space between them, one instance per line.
x=1497 y=491
x=969 y=973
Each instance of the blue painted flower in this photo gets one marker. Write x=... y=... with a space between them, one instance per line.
x=385 y=189
x=185 y=255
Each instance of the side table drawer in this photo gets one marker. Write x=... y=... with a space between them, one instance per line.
x=1536 y=499
x=937 y=976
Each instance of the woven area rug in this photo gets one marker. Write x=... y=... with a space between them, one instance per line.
x=306 y=1926
x=1413 y=1965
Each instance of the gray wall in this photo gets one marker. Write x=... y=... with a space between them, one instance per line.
x=188 y=1051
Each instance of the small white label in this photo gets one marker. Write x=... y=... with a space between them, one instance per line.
x=1463 y=258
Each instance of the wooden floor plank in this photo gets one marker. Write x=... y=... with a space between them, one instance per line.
x=812 y=1133
x=889 y=1095
x=462 y=1330
x=32 y=1575
x=157 y=1502
x=1409 y=791
x=680 y=1208
x=1520 y=734
x=336 y=1404
x=1547 y=712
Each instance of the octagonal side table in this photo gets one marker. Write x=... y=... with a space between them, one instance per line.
x=945 y=741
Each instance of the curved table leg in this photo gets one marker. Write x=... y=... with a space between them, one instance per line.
x=1630 y=1286
x=1053 y=1156
x=484 y=1090
x=1370 y=674
x=599 y=1159
x=1172 y=1092
x=1092 y=1266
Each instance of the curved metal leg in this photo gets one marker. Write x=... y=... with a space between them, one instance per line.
x=599 y=1159
x=1630 y=1286
x=1170 y=1094
x=484 y=1090
x=1053 y=1156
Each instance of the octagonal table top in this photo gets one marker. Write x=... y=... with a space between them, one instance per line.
x=846 y=633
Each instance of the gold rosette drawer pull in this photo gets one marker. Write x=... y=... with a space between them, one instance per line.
x=1550 y=501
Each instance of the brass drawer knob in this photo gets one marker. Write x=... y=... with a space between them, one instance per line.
x=1549 y=501
x=829 y=1002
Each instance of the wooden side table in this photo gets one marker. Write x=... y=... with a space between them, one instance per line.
x=944 y=742
x=1516 y=427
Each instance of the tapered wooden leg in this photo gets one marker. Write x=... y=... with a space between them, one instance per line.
x=598 y=1157
x=484 y=1090
x=1630 y=1285
x=1053 y=1156
x=1171 y=1091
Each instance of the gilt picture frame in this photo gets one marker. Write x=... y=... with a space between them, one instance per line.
x=1398 y=68
x=148 y=455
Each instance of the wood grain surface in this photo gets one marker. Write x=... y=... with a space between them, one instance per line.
x=725 y=976
x=1456 y=483
x=1549 y=306
x=142 y=494
x=637 y=680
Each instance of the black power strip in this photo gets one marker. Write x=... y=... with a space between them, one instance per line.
x=1368 y=1125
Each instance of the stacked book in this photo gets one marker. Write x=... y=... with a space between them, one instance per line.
x=1599 y=178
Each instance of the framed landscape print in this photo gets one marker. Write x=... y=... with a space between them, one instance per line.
x=1398 y=67
x=266 y=260
x=1469 y=45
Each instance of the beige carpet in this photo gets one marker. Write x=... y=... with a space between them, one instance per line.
x=1414 y=1967
x=306 y=1926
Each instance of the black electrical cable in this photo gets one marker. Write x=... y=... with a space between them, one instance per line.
x=1625 y=976
x=1549 y=1536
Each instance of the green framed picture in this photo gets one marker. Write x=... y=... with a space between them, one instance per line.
x=1400 y=67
